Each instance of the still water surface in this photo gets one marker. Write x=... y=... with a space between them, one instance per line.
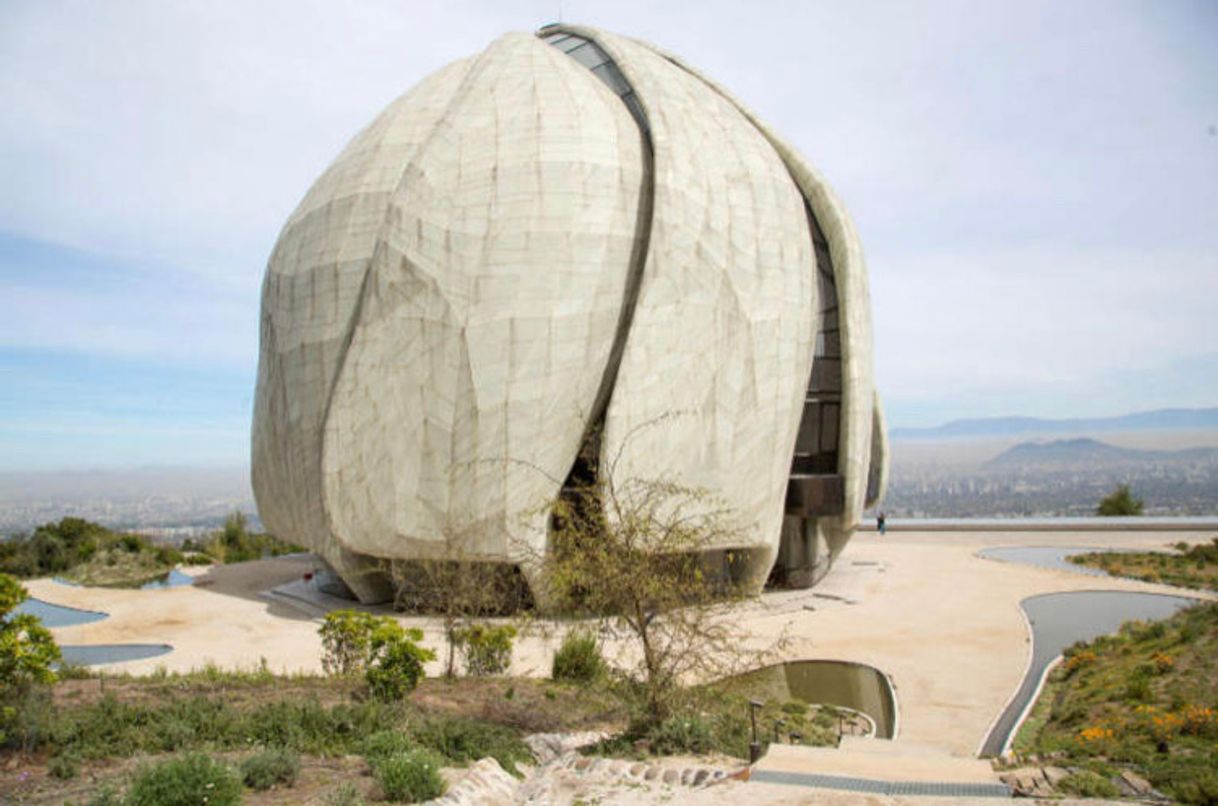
x=1061 y=619
x=54 y=615
x=830 y=682
x=1047 y=557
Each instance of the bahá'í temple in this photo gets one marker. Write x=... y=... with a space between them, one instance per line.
x=570 y=236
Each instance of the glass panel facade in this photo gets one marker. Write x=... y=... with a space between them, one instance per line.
x=816 y=446
x=590 y=55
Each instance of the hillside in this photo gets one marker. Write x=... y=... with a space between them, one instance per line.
x=1065 y=452
x=1157 y=420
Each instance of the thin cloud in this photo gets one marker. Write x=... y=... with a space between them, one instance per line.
x=1033 y=181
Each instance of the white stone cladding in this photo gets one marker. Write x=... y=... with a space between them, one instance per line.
x=440 y=311
x=863 y=440
x=711 y=385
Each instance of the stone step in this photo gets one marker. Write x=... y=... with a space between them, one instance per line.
x=899 y=747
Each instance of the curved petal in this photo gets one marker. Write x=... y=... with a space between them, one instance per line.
x=711 y=384
x=487 y=320
x=309 y=297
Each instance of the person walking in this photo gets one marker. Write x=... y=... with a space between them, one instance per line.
x=881 y=523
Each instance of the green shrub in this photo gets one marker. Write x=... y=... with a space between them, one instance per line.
x=1087 y=784
x=236 y=544
x=386 y=652
x=385 y=743
x=270 y=768
x=681 y=733
x=191 y=780
x=487 y=648
x=795 y=707
x=345 y=794
x=578 y=659
x=27 y=650
x=464 y=740
x=1120 y=502
x=1137 y=688
x=1200 y=788
x=27 y=653
x=345 y=636
x=64 y=766
x=411 y=776
x=395 y=660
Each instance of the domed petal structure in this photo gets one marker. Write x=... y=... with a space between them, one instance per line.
x=570 y=242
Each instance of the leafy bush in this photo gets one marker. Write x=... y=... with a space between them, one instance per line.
x=385 y=743
x=345 y=636
x=52 y=548
x=578 y=659
x=463 y=740
x=411 y=776
x=27 y=652
x=86 y=552
x=681 y=733
x=1199 y=788
x=1087 y=784
x=345 y=794
x=1119 y=502
x=191 y=780
x=234 y=543
x=1137 y=688
x=395 y=660
x=386 y=652
x=270 y=768
x=27 y=649
x=794 y=707
x=487 y=648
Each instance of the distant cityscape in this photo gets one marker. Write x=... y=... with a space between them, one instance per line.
x=1000 y=468
x=1168 y=488
x=172 y=503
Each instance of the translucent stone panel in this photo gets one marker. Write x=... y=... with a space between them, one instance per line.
x=487 y=319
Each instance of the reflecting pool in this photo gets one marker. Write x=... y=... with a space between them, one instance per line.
x=1047 y=557
x=54 y=615
x=174 y=579
x=828 y=682
x=1061 y=619
x=95 y=654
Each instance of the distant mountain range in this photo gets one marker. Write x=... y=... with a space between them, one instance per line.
x=1065 y=452
x=1158 y=420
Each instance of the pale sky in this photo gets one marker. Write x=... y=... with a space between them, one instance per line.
x=1035 y=185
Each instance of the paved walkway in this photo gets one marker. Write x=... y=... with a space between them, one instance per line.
x=879 y=767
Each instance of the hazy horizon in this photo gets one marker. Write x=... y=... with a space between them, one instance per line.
x=1033 y=183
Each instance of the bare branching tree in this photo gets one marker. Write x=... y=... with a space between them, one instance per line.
x=654 y=562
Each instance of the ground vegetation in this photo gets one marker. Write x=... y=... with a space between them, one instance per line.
x=1143 y=700
x=1189 y=566
x=235 y=543
x=88 y=553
